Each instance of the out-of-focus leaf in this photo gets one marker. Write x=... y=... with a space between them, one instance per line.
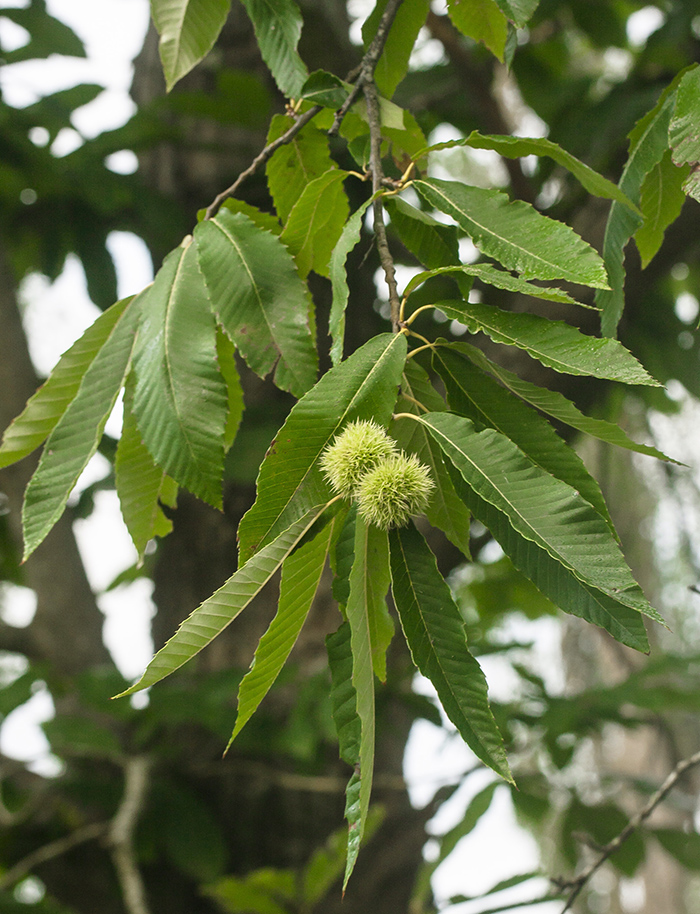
x=661 y=198
x=483 y=21
x=277 y=25
x=683 y=846
x=393 y=63
x=337 y=275
x=188 y=30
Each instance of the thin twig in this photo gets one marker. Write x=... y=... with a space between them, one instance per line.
x=576 y=885
x=49 y=851
x=121 y=834
x=260 y=159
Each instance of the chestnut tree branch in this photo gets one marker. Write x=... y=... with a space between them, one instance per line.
x=121 y=834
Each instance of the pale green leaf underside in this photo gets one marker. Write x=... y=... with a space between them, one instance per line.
x=258 y=298
x=277 y=25
x=212 y=616
x=301 y=572
x=554 y=343
x=556 y=405
x=339 y=282
x=180 y=398
x=540 y=507
x=75 y=437
x=316 y=222
x=515 y=234
x=290 y=482
x=44 y=409
x=188 y=30
x=436 y=636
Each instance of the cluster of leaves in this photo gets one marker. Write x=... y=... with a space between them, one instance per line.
x=238 y=284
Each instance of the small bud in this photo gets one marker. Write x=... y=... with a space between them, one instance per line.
x=394 y=490
x=358 y=448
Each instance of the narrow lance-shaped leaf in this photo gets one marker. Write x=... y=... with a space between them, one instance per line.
x=290 y=481
x=44 y=409
x=661 y=199
x=277 y=25
x=540 y=507
x=301 y=573
x=515 y=234
x=445 y=509
x=393 y=63
x=684 y=127
x=316 y=222
x=225 y=357
x=515 y=147
x=555 y=404
x=336 y=270
x=258 y=298
x=436 y=637
x=77 y=434
x=211 y=617
x=474 y=394
x=180 y=398
x=188 y=30
x=556 y=582
x=554 y=343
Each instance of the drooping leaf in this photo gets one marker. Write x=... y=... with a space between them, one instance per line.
x=45 y=408
x=515 y=234
x=393 y=63
x=141 y=486
x=316 y=222
x=277 y=25
x=648 y=142
x=301 y=573
x=436 y=637
x=518 y=11
x=540 y=507
x=445 y=509
x=375 y=582
x=472 y=393
x=296 y=164
x=683 y=846
x=554 y=343
x=483 y=21
x=343 y=695
x=77 y=434
x=555 y=404
x=342 y=555
x=211 y=617
x=290 y=481
x=258 y=298
x=336 y=271
x=188 y=30
x=225 y=357
x=433 y=243
x=661 y=197
x=684 y=126
x=180 y=398
x=515 y=147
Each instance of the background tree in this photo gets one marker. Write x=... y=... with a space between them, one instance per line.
x=235 y=835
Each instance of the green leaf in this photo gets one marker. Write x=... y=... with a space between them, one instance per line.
x=211 y=617
x=375 y=580
x=393 y=63
x=684 y=126
x=445 y=509
x=80 y=737
x=518 y=11
x=296 y=164
x=556 y=405
x=483 y=21
x=180 y=398
x=540 y=507
x=342 y=555
x=473 y=394
x=553 y=579
x=323 y=88
x=339 y=282
x=515 y=147
x=649 y=141
x=263 y=891
x=290 y=481
x=44 y=409
x=47 y=35
x=554 y=343
x=258 y=298
x=661 y=198
x=301 y=573
x=436 y=637
x=433 y=243
x=343 y=695
x=188 y=30
x=225 y=357
x=683 y=846
x=77 y=434
x=141 y=486
x=316 y=222
x=515 y=234
x=277 y=25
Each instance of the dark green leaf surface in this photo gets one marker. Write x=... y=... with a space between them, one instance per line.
x=435 y=633
x=188 y=30
x=316 y=222
x=554 y=343
x=343 y=695
x=225 y=357
x=258 y=298
x=483 y=21
x=393 y=63
x=518 y=11
x=44 y=409
x=515 y=234
x=661 y=198
x=323 y=88
x=180 y=398
x=290 y=481
x=277 y=25
x=339 y=282
x=683 y=846
x=295 y=164
x=433 y=243
x=75 y=437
